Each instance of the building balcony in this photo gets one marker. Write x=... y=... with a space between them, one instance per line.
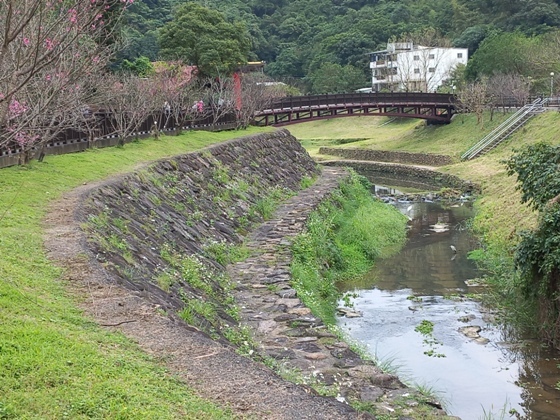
x=377 y=65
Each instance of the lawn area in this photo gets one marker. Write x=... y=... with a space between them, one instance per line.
x=54 y=362
x=382 y=133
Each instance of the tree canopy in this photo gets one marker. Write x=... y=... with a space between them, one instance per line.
x=537 y=256
x=202 y=37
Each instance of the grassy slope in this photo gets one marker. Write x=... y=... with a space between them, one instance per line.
x=500 y=212
x=54 y=363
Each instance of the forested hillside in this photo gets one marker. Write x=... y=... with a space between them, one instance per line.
x=299 y=39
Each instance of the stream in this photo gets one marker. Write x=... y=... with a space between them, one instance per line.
x=418 y=318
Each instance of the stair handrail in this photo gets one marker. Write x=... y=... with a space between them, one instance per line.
x=503 y=127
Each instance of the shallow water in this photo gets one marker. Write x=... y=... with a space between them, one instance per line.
x=427 y=280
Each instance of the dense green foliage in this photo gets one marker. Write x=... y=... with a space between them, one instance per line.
x=142 y=66
x=200 y=36
x=344 y=237
x=299 y=38
x=537 y=256
x=143 y=19
x=536 y=168
x=334 y=78
x=533 y=57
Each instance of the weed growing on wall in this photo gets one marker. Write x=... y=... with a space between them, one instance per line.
x=343 y=238
x=225 y=253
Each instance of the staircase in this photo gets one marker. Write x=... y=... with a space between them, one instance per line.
x=505 y=129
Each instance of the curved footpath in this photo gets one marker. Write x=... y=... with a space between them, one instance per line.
x=283 y=327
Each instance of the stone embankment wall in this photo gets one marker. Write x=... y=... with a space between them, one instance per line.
x=425 y=159
x=159 y=230
x=415 y=173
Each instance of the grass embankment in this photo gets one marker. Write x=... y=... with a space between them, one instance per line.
x=343 y=238
x=54 y=362
x=500 y=214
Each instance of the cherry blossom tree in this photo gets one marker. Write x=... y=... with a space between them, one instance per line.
x=128 y=104
x=157 y=106
x=49 y=49
x=257 y=93
x=474 y=98
x=506 y=90
x=179 y=86
x=181 y=100
x=220 y=97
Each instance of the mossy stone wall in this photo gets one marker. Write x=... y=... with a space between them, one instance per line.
x=153 y=229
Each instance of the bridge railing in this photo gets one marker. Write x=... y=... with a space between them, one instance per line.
x=400 y=98
x=309 y=101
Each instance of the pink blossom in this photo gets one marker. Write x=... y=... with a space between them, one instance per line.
x=23 y=138
x=16 y=108
x=49 y=44
x=26 y=41
x=73 y=15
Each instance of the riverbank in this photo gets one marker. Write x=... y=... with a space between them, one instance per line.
x=499 y=202
x=500 y=217
x=165 y=233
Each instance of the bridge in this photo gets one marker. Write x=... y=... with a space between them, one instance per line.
x=436 y=108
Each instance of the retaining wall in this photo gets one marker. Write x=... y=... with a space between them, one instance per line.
x=418 y=174
x=427 y=159
x=144 y=223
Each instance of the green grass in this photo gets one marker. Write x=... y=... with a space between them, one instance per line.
x=335 y=132
x=55 y=363
x=381 y=133
x=343 y=238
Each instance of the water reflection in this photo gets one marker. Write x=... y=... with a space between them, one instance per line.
x=474 y=379
x=427 y=264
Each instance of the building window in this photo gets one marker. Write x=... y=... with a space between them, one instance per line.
x=417 y=71
x=416 y=57
x=459 y=55
x=432 y=56
x=432 y=70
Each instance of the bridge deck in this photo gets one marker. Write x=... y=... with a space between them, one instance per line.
x=434 y=107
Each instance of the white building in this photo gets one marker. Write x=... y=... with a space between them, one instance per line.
x=405 y=67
